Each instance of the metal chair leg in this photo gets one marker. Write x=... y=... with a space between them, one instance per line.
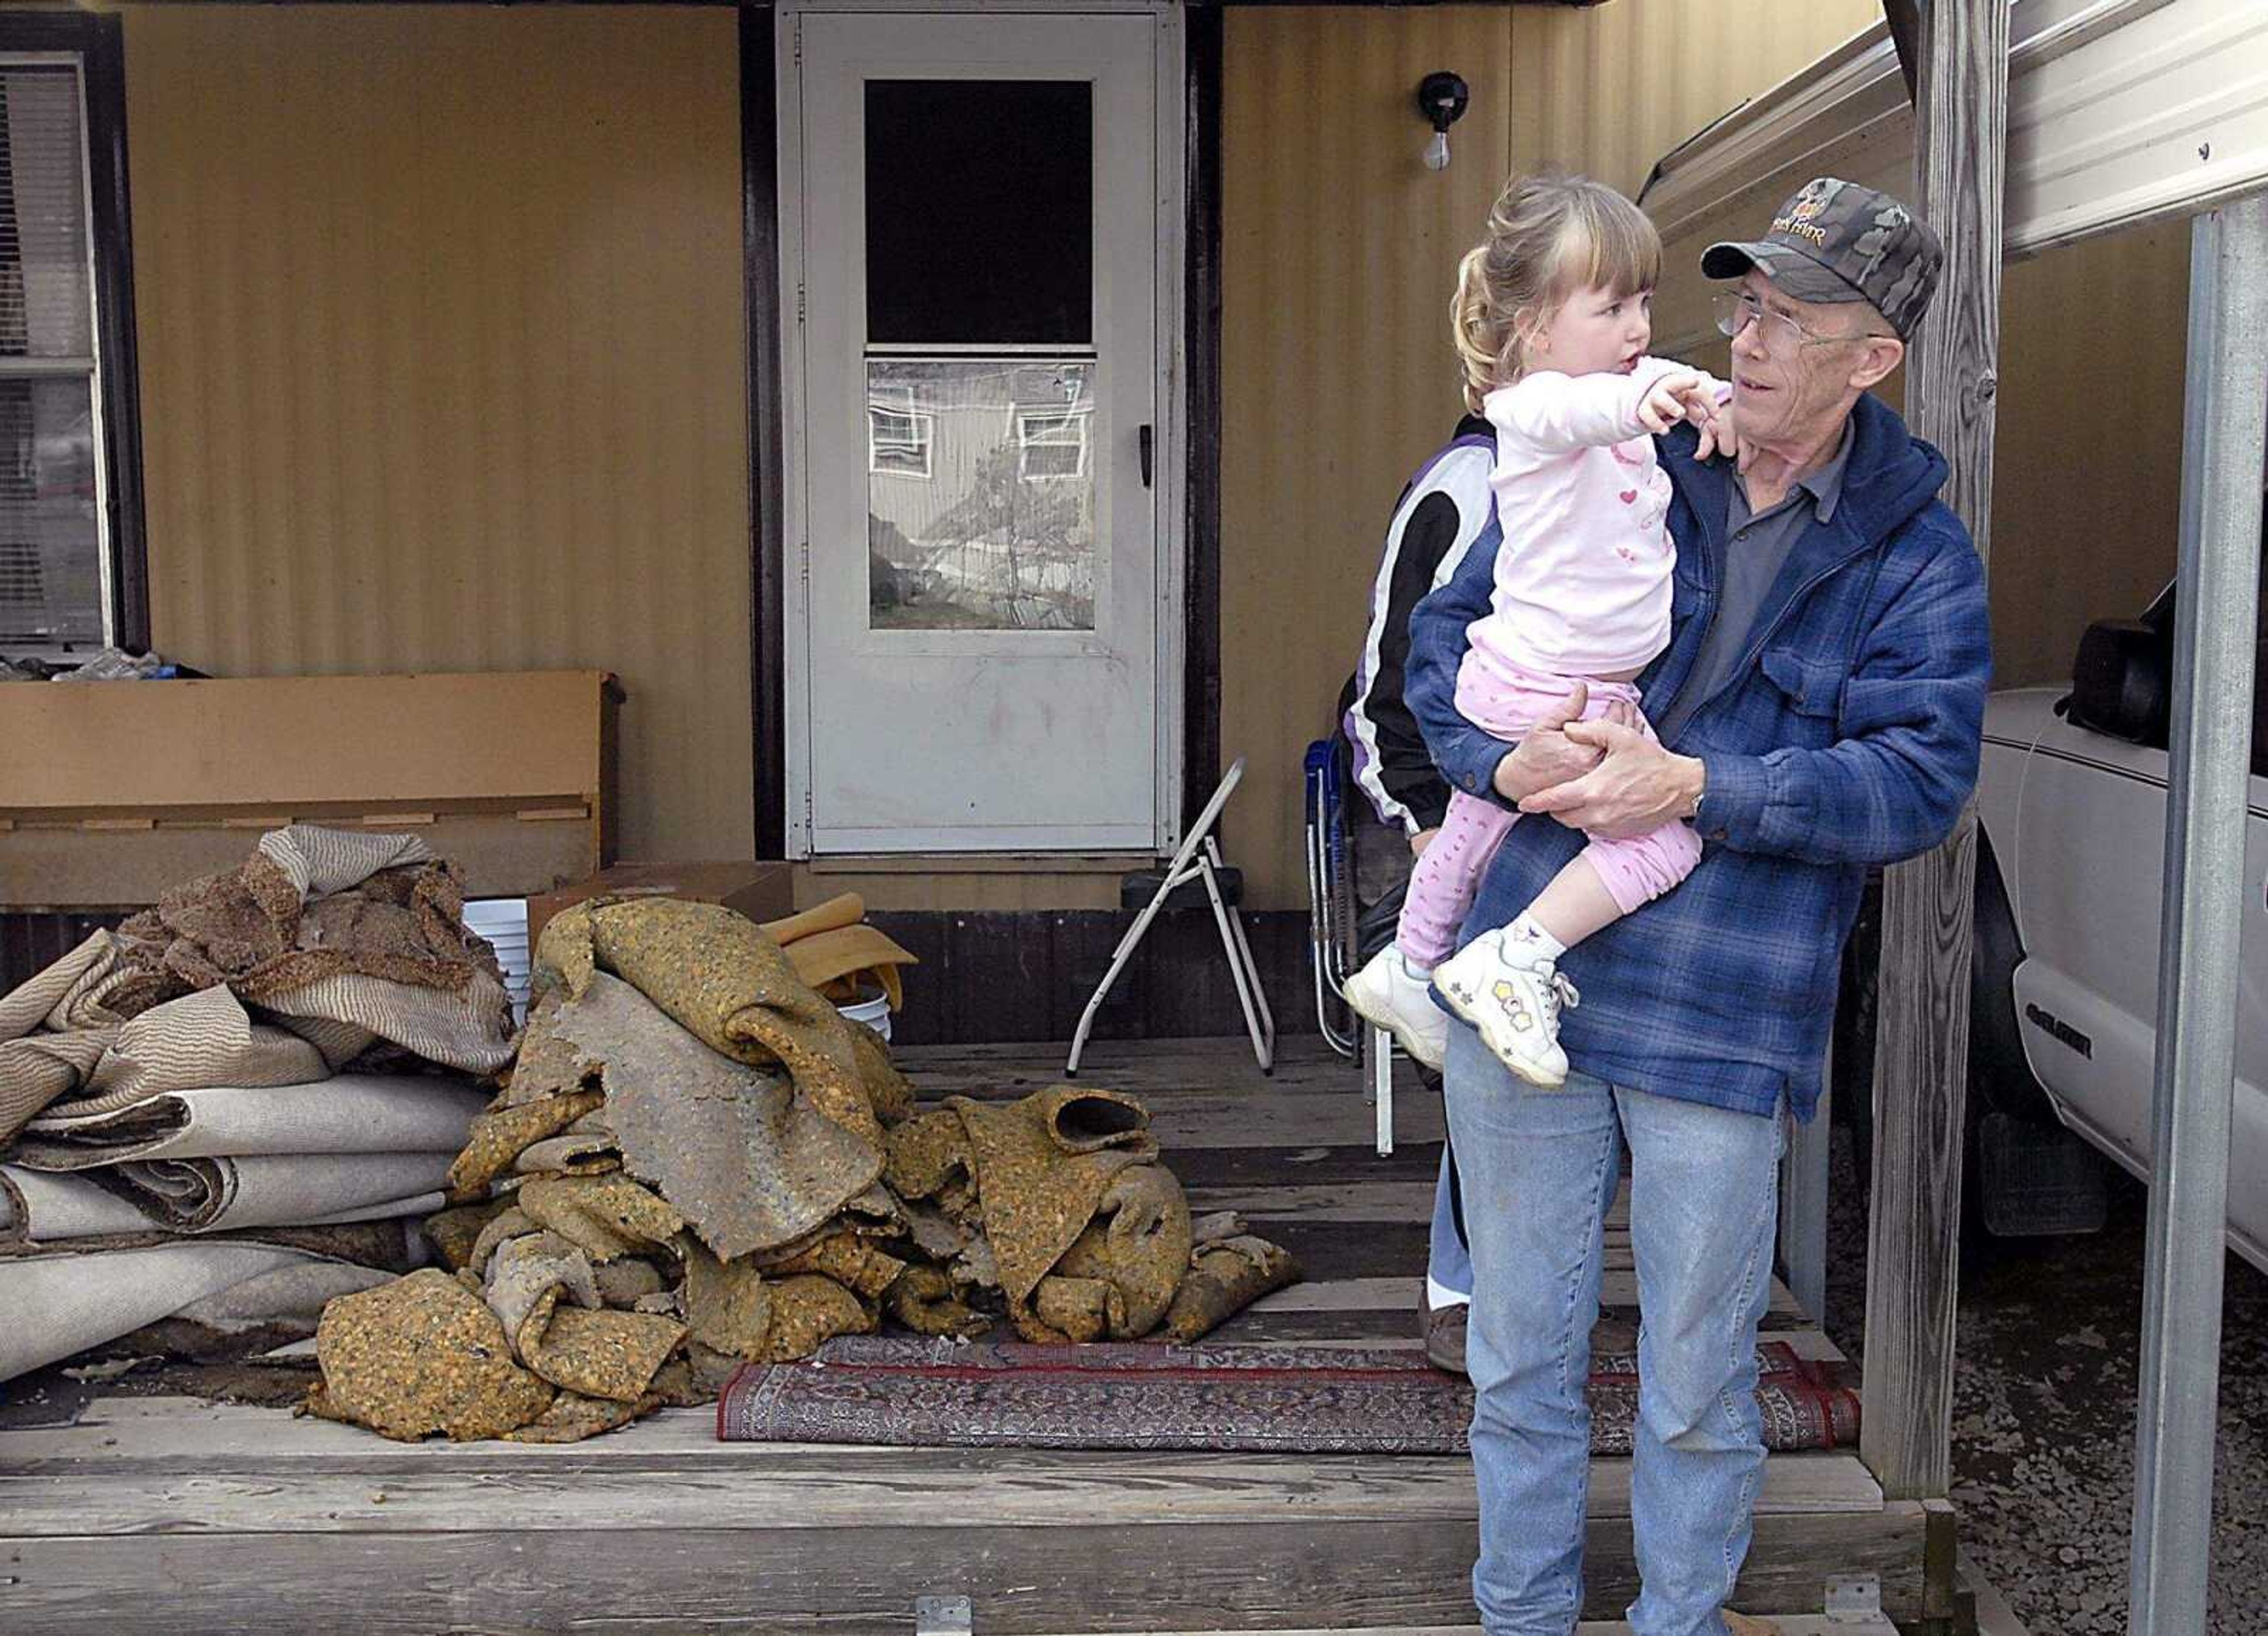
x=1381 y=1084
x=1118 y=959
x=1241 y=969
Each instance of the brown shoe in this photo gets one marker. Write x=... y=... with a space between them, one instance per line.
x=1444 y=1330
x=1742 y=1624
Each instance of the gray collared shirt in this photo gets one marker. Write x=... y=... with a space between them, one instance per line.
x=1757 y=546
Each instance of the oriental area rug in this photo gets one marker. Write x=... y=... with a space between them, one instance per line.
x=915 y=1391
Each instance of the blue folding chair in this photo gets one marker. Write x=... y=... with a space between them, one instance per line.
x=1331 y=933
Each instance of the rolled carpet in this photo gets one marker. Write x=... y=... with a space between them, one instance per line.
x=350 y=1113
x=82 y=1302
x=214 y=1195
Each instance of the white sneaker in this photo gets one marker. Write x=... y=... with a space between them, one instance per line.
x=1515 y=1004
x=1387 y=993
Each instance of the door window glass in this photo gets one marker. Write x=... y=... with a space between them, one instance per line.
x=980 y=212
x=980 y=512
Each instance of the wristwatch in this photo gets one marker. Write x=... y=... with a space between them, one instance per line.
x=1699 y=795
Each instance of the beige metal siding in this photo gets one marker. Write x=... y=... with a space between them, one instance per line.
x=1339 y=252
x=2088 y=460
x=443 y=361
x=1609 y=91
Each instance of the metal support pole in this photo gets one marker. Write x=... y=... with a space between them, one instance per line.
x=2224 y=421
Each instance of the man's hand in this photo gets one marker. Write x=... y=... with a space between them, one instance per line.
x=1666 y=402
x=1546 y=755
x=1637 y=788
x=1717 y=435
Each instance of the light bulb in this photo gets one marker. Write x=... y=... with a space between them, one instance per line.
x=1437 y=152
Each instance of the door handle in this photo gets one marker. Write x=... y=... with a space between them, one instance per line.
x=1145 y=440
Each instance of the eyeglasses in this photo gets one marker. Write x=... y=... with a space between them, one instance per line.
x=1737 y=309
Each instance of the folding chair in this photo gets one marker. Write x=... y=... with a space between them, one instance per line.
x=1198 y=859
x=1331 y=915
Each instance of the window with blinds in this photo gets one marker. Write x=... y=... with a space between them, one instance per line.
x=54 y=567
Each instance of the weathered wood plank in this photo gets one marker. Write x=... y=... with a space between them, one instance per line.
x=1309 y=1165
x=184 y=1441
x=1247 y=1576
x=1196 y=1117
x=791 y=1487
x=1346 y=1201
x=1304 y=1066
x=1617 y=1287
x=1922 y=1040
x=1350 y=1249
x=1788 y=1625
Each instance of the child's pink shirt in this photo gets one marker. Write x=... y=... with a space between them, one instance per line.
x=1582 y=578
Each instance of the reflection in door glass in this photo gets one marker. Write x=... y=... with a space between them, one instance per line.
x=980 y=511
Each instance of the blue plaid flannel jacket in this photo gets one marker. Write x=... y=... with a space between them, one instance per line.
x=1848 y=736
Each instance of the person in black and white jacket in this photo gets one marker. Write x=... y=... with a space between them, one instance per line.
x=1445 y=508
x=1441 y=511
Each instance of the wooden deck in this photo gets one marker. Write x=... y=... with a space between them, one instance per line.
x=232 y=1518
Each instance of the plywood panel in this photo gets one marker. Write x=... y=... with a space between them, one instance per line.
x=1339 y=253
x=443 y=361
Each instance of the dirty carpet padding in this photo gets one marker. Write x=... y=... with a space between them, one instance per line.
x=750 y=1163
x=338 y=941
x=420 y=1355
x=1042 y=1167
x=941 y=1393
x=724 y=981
x=698 y=1162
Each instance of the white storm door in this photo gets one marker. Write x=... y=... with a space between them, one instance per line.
x=979 y=450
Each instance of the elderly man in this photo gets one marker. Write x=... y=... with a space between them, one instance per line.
x=1819 y=707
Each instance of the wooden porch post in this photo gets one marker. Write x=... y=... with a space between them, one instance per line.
x=1922 y=1042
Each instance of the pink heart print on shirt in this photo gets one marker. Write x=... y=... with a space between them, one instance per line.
x=1628 y=496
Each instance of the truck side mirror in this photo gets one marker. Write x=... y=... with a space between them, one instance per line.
x=2122 y=683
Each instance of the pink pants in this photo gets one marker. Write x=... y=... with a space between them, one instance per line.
x=1448 y=875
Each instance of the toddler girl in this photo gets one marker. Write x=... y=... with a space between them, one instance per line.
x=1552 y=318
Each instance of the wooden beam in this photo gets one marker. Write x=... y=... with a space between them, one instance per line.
x=596 y=1570
x=1922 y=1042
x=1904 y=19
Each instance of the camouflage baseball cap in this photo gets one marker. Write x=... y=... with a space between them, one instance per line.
x=1838 y=241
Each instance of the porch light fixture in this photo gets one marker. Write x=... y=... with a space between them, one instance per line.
x=1441 y=98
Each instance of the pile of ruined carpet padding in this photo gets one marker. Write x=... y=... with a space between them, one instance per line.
x=698 y=1162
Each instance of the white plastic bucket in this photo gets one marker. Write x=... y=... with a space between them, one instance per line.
x=874 y=1013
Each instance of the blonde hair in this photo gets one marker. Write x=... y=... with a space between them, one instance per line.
x=1549 y=237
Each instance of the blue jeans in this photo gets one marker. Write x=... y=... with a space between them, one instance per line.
x=1538 y=1170
x=1448 y=1267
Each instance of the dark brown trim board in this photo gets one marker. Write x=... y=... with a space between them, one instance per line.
x=1005 y=975
x=767 y=526
x=759 y=232
x=100 y=43
x=1201 y=679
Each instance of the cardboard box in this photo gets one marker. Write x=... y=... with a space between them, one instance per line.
x=762 y=891
x=112 y=791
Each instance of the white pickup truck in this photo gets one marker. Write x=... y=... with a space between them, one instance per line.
x=2062 y=995
x=2072 y=799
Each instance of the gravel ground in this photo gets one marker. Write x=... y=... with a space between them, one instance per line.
x=2044 y=1416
